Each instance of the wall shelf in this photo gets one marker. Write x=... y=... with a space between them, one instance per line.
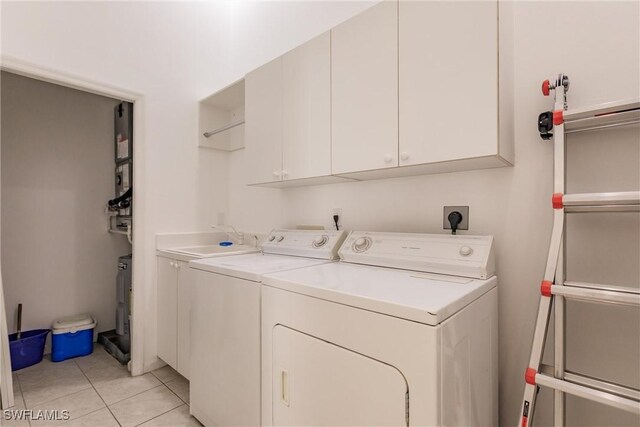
x=221 y=119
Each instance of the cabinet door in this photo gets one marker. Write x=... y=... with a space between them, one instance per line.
x=306 y=139
x=364 y=88
x=448 y=80
x=183 y=340
x=167 y=316
x=263 y=122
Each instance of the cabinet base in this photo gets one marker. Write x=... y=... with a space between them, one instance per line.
x=485 y=162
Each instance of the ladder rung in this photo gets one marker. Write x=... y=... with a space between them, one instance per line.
x=597 y=293
x=610 y=114
x=602 y=208
x=606 y=386
x=602 y=287
x=602 y=122
x=622 y=201
x=600 y=110
x=586 y=392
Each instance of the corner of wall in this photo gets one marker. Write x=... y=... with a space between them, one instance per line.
x=506 y=31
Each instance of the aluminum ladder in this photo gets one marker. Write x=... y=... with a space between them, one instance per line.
x=554 y=289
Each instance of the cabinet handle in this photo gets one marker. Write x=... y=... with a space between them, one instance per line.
x=284 y=387
x=285 y=174
x=388 y=158
x=276 y=173
x=404 y=155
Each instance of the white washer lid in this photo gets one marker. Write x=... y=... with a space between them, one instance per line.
x=422 y=297
x=253 y=266
x=75 y=322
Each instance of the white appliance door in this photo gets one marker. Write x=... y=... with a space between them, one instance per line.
x=225 y=350
x=317 y=383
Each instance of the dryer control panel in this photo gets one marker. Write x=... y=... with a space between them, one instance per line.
x=460 y=255
x=321 y=244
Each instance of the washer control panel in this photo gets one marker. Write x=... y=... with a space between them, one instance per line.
x=460 y=255
x=322 y=244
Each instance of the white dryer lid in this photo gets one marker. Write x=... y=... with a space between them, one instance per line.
x=253 y=266
x=422 y=297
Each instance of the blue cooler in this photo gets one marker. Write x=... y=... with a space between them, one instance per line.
x=72 y=337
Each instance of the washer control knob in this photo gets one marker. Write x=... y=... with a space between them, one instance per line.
x=272 y=238
x=320 y=241
x=361 y=244
x=466 y=251
x=280 y=238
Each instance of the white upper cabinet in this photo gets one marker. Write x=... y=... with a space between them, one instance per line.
x=448 y=67
x=306 y=118
x=403 y=88
x=263 y=126
x=364 y=90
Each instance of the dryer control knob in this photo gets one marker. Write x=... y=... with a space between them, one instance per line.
x=466 y=251
x=280 y=238
x=361 y=244
x=320 y=241
x=272 y=238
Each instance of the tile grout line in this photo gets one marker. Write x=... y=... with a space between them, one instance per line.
x=51 y=400
x=91 y=385
x=24 y=402
x=82 y=416
x=165 y=384
x=99 y=395
x=159 y=415
x=133 y=395
x=161 y=380
x=153 y=388
x=171 y=380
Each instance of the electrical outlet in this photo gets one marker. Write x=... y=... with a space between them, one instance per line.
x=336 y=211
x=464 y=210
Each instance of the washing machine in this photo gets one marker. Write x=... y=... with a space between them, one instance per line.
x=225 y=322
x=401 y=332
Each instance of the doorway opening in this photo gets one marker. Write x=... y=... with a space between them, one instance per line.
x=53 y=201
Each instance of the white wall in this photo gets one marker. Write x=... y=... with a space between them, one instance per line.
x=57 y=174
x=597 y=44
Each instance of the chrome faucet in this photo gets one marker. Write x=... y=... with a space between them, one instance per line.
x=234 y=234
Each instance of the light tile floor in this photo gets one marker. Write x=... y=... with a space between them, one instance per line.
x=98 y=391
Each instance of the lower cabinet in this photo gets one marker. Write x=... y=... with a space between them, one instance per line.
x=173 y=313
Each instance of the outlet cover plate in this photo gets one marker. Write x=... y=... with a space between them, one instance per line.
x=464 y=210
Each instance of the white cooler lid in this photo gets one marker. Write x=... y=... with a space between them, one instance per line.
x=78 y=322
